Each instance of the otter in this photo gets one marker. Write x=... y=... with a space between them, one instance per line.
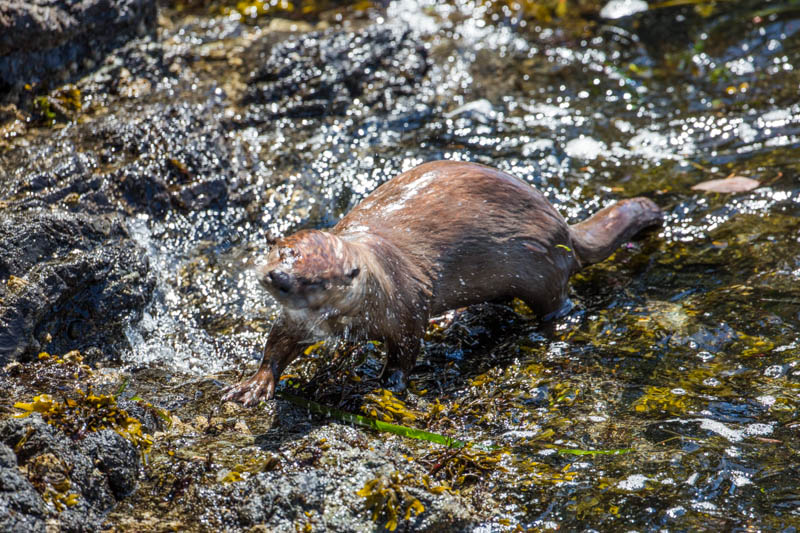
x=441 y=236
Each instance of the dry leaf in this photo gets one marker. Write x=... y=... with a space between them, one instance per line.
x=728 y=185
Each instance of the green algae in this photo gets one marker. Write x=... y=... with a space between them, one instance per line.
x=61 y=105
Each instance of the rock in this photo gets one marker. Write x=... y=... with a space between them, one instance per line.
x=98 y=470
x=320 y=74
x=116 y=457
x=48 y=40
x=69 y=281
x=21 y=507
x=162 y=157
x=271 y=501
x=179 y=160
x=150 y=420
x=325 y=497
x=132 y=71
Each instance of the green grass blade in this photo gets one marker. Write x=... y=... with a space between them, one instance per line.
x=413 y=433
x=367 y=422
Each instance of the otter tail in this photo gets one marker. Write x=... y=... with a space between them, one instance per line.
x=598 y=236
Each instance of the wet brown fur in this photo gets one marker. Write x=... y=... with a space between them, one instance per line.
x=440 y=236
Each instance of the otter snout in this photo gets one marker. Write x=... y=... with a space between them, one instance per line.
x=280 y=280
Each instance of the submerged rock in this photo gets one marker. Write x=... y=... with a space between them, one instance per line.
x=70 y=281
x=44 y=40
x=81 y=483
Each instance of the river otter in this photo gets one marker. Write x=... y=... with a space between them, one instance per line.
x=443 y=235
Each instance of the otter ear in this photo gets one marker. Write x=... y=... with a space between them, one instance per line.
x=353 y=273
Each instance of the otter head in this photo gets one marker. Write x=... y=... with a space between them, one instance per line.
x=313 y=271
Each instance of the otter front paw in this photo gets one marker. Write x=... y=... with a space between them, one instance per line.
x=260 y=386
x=395 y=380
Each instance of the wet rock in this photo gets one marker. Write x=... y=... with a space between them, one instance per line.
x=43 y=40
x=181 y=160
x=132 y=71
x=712 y=339
x=95 y=473
x=21 y=507
x=321 y=74
x=116 y=457
x=326 y=497
x=162 y=157
x=275 y=501
x=70 y=281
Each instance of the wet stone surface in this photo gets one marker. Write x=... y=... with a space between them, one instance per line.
x=82 y=482
x=327 y=72
x=42 y=41
x=21 y=506
x=134 y=203
x=73 y=282
x=166 y=157
x=277 y=499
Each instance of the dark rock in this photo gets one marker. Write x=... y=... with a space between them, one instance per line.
x=133 y=70
x=43 y=40
x=116 y=457
x=262 y=500
x=175 y=157
x=155 y=159
x=320 y=74
x=21 y=507
x=100 y=469
x=77 y=282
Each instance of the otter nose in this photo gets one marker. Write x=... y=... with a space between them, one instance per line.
x=280 y=280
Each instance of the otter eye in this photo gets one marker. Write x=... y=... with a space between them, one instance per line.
x=353 y=273
x=287 y=253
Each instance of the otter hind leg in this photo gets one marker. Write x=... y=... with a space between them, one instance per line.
x=548 y=302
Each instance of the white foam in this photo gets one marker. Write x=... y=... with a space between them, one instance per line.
x=616 y=9
x=585 y=148
x=164 y=335
x=482 y=107
x=733 y=435
x=411 y=12
x=521 y=434
x=633 y=482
